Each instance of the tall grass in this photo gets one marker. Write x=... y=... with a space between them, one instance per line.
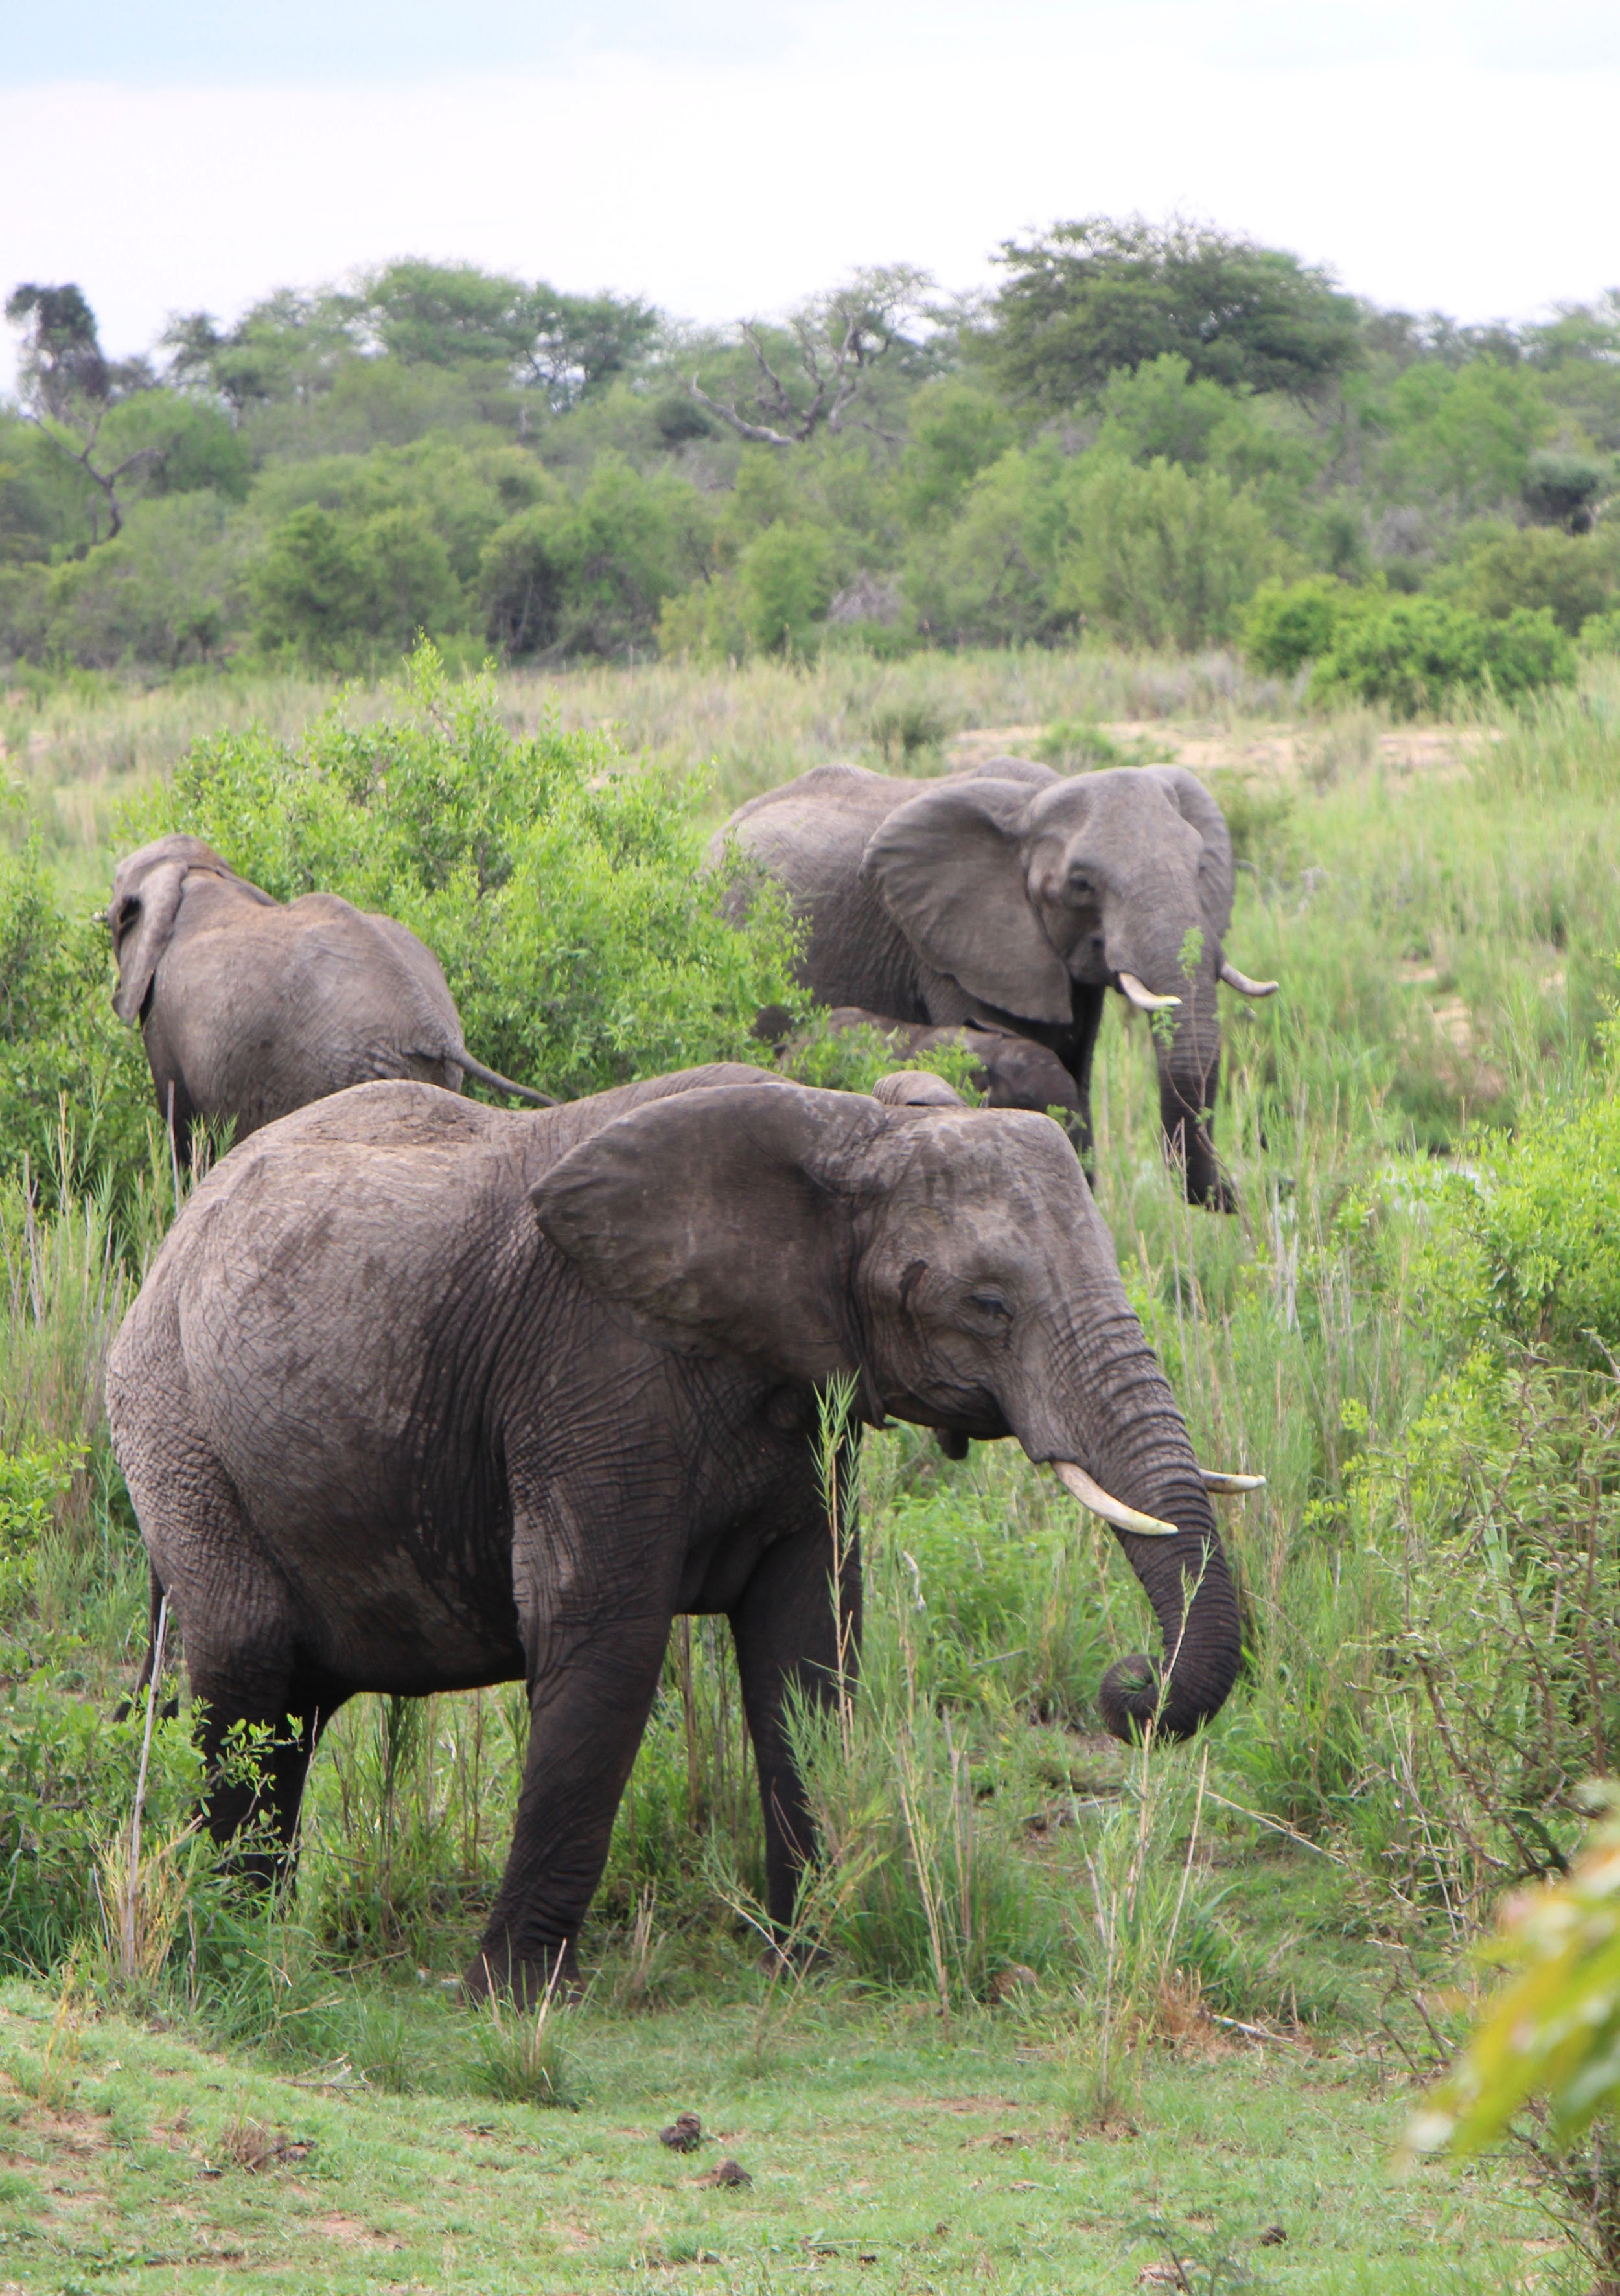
x=1418 y=1609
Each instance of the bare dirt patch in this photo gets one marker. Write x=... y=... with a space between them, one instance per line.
x=1279 y=752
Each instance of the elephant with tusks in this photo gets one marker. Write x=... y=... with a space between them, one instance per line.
x=420 y=1395
x=1011 y=896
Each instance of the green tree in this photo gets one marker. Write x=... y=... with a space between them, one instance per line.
x=1461 y=438
x=1163 y=556
x=69 y=388
x=342 y=592
x=990 y=579
x=1086 y=298
x=787 y=577
x=590 y=574
x=1573 y=576
x=956 y=430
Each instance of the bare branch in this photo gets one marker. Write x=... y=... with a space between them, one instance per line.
x=838 y=338
x=758 y=431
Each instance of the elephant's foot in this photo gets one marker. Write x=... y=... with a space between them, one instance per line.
x=527 y=1979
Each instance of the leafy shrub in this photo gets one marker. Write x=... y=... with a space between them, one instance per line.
x=787 y=576
x=343 y=592
x=1542 y=1235
x=1288 y=624
x=1572 y=575
x=590 y=574
x=561 y=890
x=1563 y=487
x=1416 y=654
x=1165 y=556
x=62 y=1048
x=1600 y=633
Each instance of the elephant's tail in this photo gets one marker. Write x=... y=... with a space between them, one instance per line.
x=465 y=1060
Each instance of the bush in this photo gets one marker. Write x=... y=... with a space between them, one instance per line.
x=787 y=576
x=342 y=592
x=989 y=579
x=1419 y=653
x=1165 y=556
x=1572 y=575
x=1288 y=624
x=590 y=575
x=561 y=890
x=1600 y=633
x=1542 y=1237
x=74 y=1085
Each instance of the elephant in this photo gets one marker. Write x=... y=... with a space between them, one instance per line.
x=1012 y=895
x=421 y=1395
x=1011 y=1071
x=251 y=1009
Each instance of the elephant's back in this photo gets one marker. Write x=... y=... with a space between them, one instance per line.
x=270 y=1011
x=811 y=836
x=811 y=832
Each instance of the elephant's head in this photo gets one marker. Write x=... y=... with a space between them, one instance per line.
x=1024 y=887
x=953 y=1263
x=146 y=907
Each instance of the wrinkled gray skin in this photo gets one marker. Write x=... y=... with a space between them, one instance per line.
x=1011 y=1071
x=421 y=1395
x=251 y=1009
x=1012 y=895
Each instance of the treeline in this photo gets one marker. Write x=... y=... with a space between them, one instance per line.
x=1141 y=428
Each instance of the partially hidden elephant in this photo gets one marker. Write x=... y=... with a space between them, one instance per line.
x=251 y=1008
x=1010 y=895
x=420 y=1395
x=1011 y=1071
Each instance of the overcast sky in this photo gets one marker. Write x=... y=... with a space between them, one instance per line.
x=724 y=157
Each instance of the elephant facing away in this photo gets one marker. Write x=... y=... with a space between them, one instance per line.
x=420 y=1395
x=1012 y=895
x=249 y=1008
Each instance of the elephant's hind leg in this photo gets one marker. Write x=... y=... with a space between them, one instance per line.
x=260 y=1710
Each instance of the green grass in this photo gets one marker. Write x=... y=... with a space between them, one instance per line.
x=882 y=2157
x=1316 y=1869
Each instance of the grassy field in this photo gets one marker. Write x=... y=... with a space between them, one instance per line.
x=1081 y=2016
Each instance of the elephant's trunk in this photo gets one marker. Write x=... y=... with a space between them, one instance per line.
x=1187 y=1045
x=1117 y=1412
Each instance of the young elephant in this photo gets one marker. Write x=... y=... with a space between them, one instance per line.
x=1011 y=1071
x=421 y=1395
x=1012 y=895
x=250 y=1009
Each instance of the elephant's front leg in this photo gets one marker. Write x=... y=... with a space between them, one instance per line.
x=791 y=1627
x=589 y=1704
x=1077 y=1058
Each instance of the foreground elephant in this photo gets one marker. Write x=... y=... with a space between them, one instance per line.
x=251 y=1009
x=1013 y=896
x=421 y=1395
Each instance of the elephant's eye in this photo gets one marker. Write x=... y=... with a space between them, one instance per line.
x=991 y=1303
x=1081 y=886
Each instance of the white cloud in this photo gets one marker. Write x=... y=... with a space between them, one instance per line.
x=1431 y=162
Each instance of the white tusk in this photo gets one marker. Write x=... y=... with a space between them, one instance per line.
x=1076 y=1481
x=1231 y=1486
x=1245 y=987
x=1143 y=997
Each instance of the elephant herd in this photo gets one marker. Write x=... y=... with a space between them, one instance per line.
x=422 y=1394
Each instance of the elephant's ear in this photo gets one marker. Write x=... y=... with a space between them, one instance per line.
x=1200 y=811
x=141 y=916
x=725 y=1215
x=949 y=868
